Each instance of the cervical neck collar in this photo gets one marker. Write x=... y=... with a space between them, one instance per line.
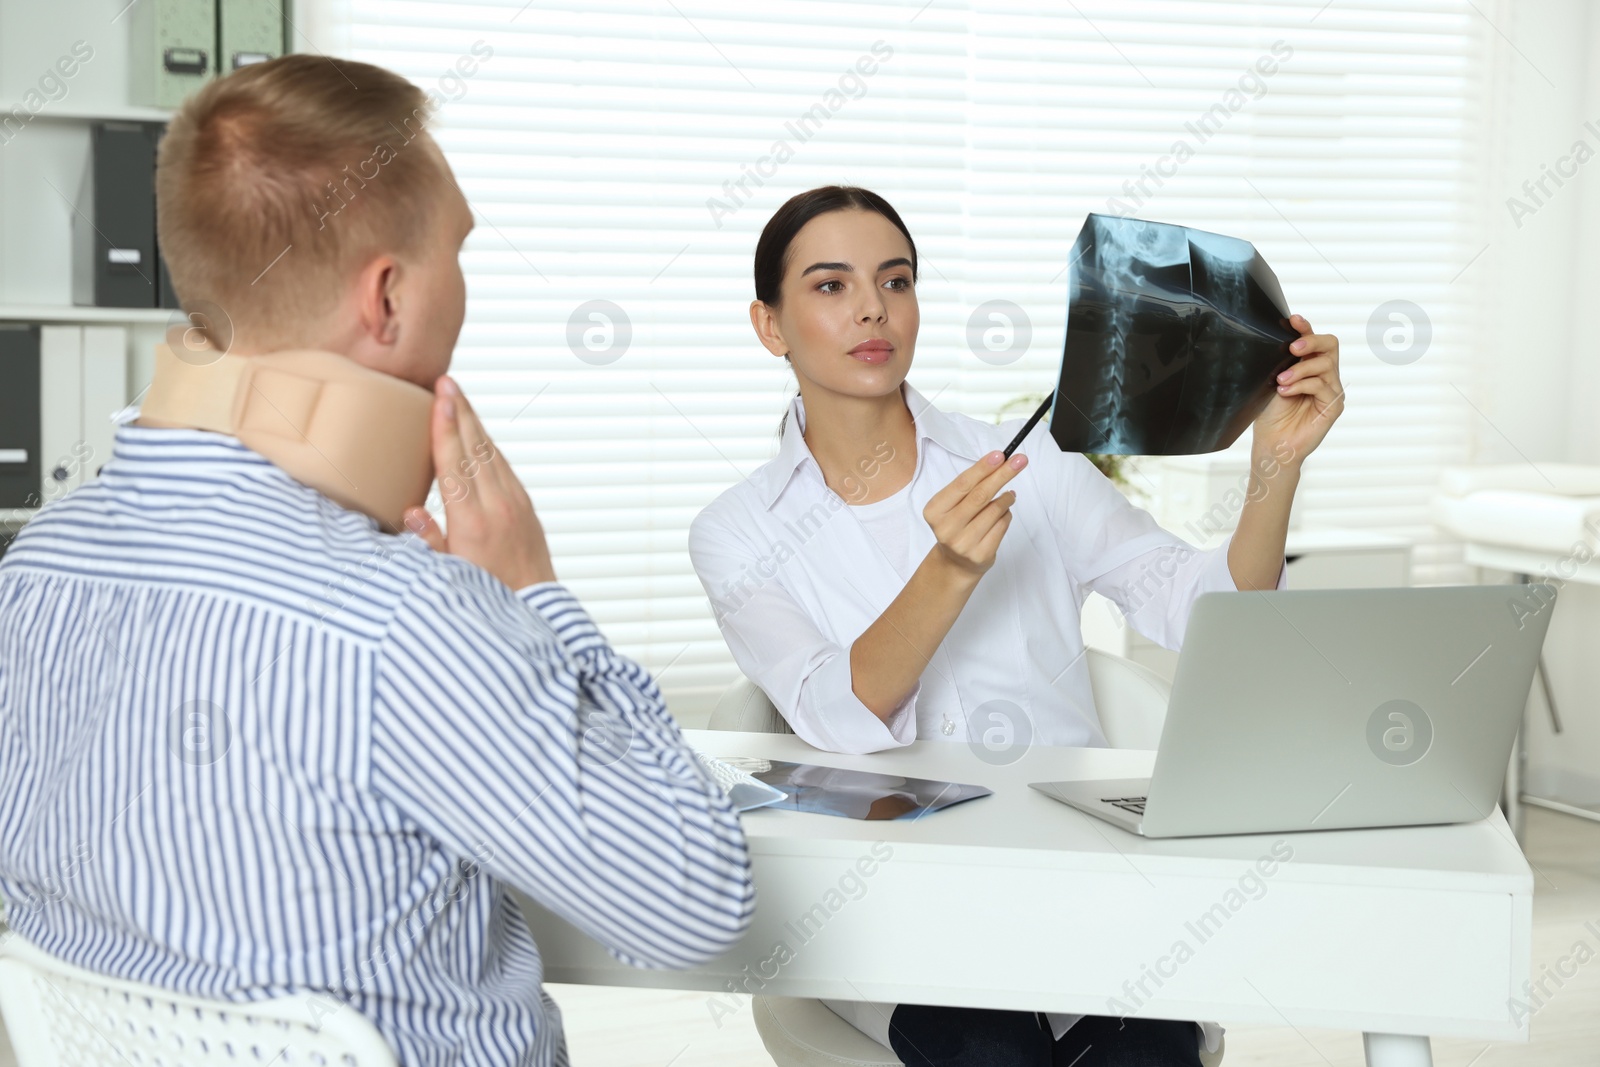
x=356 y=435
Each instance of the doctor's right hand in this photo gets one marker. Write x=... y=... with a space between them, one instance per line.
x=967 y=516
x=488 y=512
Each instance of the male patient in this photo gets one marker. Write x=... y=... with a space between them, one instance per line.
x=217 y=778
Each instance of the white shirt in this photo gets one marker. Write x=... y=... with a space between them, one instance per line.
x=341 y=750
x=794 y=577
x=889 y=522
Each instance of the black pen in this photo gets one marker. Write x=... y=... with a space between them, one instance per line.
x=1029 y=425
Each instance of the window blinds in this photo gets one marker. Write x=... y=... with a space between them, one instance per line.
x=622 y=157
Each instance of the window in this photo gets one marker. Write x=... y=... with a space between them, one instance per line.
x=622 y=157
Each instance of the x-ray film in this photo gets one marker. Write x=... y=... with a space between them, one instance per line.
x=860 y=794
x=1175 y=337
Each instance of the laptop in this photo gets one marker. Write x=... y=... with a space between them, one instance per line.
x=1327 y=709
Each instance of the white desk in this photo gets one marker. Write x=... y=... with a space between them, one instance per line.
x=1016 y=901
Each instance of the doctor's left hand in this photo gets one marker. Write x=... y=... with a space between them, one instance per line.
x=1309 y=397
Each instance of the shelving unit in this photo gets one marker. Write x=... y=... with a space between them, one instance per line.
x=44 y=154
x=114 y=113
x=57 y=313
x=44 y=158
x=42 y=161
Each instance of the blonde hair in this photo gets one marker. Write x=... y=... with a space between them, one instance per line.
x=278 y=182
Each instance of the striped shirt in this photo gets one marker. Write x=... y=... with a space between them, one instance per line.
x=251 y=746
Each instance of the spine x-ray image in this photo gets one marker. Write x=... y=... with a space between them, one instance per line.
x=1174 y=339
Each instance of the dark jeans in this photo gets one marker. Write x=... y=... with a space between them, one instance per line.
x=926 y=1036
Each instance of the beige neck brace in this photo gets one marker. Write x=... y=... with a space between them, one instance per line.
x=356 y=435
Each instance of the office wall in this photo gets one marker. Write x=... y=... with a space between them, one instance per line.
x=1538 y=385
x=1571 y=763
x=1529 y=384
x=1584 y=400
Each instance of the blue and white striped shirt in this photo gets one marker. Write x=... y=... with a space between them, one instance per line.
x=251 y=746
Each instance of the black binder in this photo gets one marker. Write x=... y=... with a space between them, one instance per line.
x=115 y=260
x=19 y=416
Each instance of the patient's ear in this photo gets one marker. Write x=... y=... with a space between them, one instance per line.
x=378 y=300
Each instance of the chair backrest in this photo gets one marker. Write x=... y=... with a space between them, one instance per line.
x=58 y=1015
x=743 y=706
x=1131 y=700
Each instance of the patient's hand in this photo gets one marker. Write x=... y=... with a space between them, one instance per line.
x=490 y=517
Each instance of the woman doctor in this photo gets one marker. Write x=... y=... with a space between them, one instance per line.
x=891 y=577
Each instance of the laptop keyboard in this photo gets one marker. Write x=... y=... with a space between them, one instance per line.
x=1133 y=804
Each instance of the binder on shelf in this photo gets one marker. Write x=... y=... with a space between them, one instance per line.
x=104 y=394
x=19 y=415
x=248 y=31
x=60 y=405
x=172 y=50
x=114 y=262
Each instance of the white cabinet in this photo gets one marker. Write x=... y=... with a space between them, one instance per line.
x=1325 y=558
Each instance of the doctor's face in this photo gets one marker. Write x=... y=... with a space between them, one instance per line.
x=848 y=310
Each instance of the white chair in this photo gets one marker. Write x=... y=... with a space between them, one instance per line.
x=803 y=1032
x=58 y=1015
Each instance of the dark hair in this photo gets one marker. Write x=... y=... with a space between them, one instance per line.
x=772 y=250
